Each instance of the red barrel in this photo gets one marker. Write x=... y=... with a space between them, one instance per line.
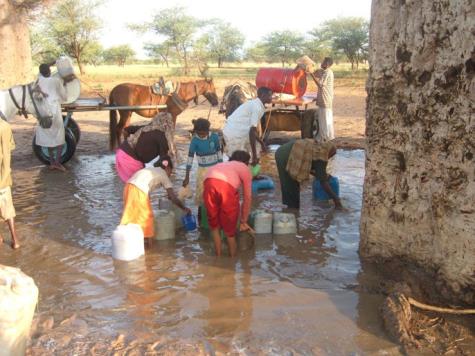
x=283 y=80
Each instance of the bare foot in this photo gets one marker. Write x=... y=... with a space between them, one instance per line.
x=51 y=167
x=61 y=167
x=15 y=245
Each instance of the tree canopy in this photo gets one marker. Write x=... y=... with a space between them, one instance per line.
x=72 y=26
x=348 y=35
x=284 y=46
x=118 y=54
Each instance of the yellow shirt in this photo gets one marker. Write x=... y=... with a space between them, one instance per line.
x=7 y=144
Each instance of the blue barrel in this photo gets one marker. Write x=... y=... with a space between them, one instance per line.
x=320 y=194
x=189 y=222
x=264 y=183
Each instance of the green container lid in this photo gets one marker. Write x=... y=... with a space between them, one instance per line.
x=255 y=170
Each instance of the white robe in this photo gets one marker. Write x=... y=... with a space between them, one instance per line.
x=324 y=118
x=55 y=135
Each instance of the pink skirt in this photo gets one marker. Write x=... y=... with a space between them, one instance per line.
x=126 y=166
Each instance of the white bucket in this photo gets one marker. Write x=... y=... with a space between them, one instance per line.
x=262 y=222
x=18 y=298
x=64 y=65
x=284 y=223
x=127 y=242
x=165 y=227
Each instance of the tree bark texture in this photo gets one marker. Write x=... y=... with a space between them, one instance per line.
x=419 y=189
x=15 y=58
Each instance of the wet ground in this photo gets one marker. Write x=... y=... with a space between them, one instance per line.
x=284 y=294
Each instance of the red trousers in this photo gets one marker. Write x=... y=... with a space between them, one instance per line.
x=221 y=200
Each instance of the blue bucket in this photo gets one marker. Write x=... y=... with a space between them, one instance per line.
x=261 y=184
x=320 y=194
x=189 y=222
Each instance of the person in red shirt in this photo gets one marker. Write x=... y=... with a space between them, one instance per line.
x=221 y=198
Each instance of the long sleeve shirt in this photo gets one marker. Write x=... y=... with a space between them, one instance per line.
x=207 y=151
x=236 y=174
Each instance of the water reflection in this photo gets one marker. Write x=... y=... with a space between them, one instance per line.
x=283 y=293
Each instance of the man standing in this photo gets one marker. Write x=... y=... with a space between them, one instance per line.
x=324 y=80
x=240 y=130
x=7 y=210
x=53 y=137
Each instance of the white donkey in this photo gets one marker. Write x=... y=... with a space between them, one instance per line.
x=24 y=100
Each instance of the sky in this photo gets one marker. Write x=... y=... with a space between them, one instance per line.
x=254 y=18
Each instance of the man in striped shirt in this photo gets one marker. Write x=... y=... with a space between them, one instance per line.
x=325 y=101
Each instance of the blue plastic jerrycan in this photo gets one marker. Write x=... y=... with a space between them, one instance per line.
x=265 y=182
x=320 y=194
x=189 y=222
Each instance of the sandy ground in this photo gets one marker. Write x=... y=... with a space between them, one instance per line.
x=349 y=121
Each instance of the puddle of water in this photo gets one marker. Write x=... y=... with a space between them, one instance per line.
x=287 y=293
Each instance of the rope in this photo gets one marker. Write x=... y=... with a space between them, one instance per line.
x=92 y=89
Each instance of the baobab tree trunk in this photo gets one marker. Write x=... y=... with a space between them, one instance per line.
x=15 y=50
x=419 y=190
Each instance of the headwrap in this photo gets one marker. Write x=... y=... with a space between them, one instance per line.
x=163 y=122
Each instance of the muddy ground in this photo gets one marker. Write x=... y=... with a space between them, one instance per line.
x=318 y=298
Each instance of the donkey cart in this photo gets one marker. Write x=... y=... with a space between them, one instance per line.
x=72 y=130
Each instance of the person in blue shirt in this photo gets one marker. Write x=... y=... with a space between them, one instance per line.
x=207 y=148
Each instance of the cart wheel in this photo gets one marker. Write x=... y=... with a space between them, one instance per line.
x=68 y=149
x=74 y=127
x=308 y=124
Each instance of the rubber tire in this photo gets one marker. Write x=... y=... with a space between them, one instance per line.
x=74 y=127
x=42 y=153
x=307 y=127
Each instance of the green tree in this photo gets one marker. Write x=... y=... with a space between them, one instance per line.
x=93 y=53
x=73 y=27
x=221 y=43
x=318 y=46
x=43 y=49
x=256 y=53
x=161 y=52
x=178 y=28
x=349 y=35
x=118 y=54
x=284 y=46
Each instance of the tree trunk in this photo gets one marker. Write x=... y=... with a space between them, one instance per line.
x=219 y=62
x=419 y=192
x=15 y=50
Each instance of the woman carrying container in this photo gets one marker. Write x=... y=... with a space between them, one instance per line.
x=208 y=151
x=221 y=198
x=143 y=144
x=137 y=206
x=296 y=160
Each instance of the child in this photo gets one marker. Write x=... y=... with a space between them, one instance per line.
x=221 y=198
x=7 y=210
x=207 y=148
x=137 y=206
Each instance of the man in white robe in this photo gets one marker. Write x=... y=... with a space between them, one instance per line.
x=53 y=137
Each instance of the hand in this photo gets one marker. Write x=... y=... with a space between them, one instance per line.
x=338 y=205
x=186 y=181
x=246 y=227
x=187 y=211
x=263 y=147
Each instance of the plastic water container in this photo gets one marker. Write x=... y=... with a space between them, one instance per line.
x=255 y=170
x=262 y=184
x=18 y=298
x=320 y=194
x=127 y=242
x=165 y=227
x=284 y=223
x=64 y=65
x=189 y=222
x=262 y=222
